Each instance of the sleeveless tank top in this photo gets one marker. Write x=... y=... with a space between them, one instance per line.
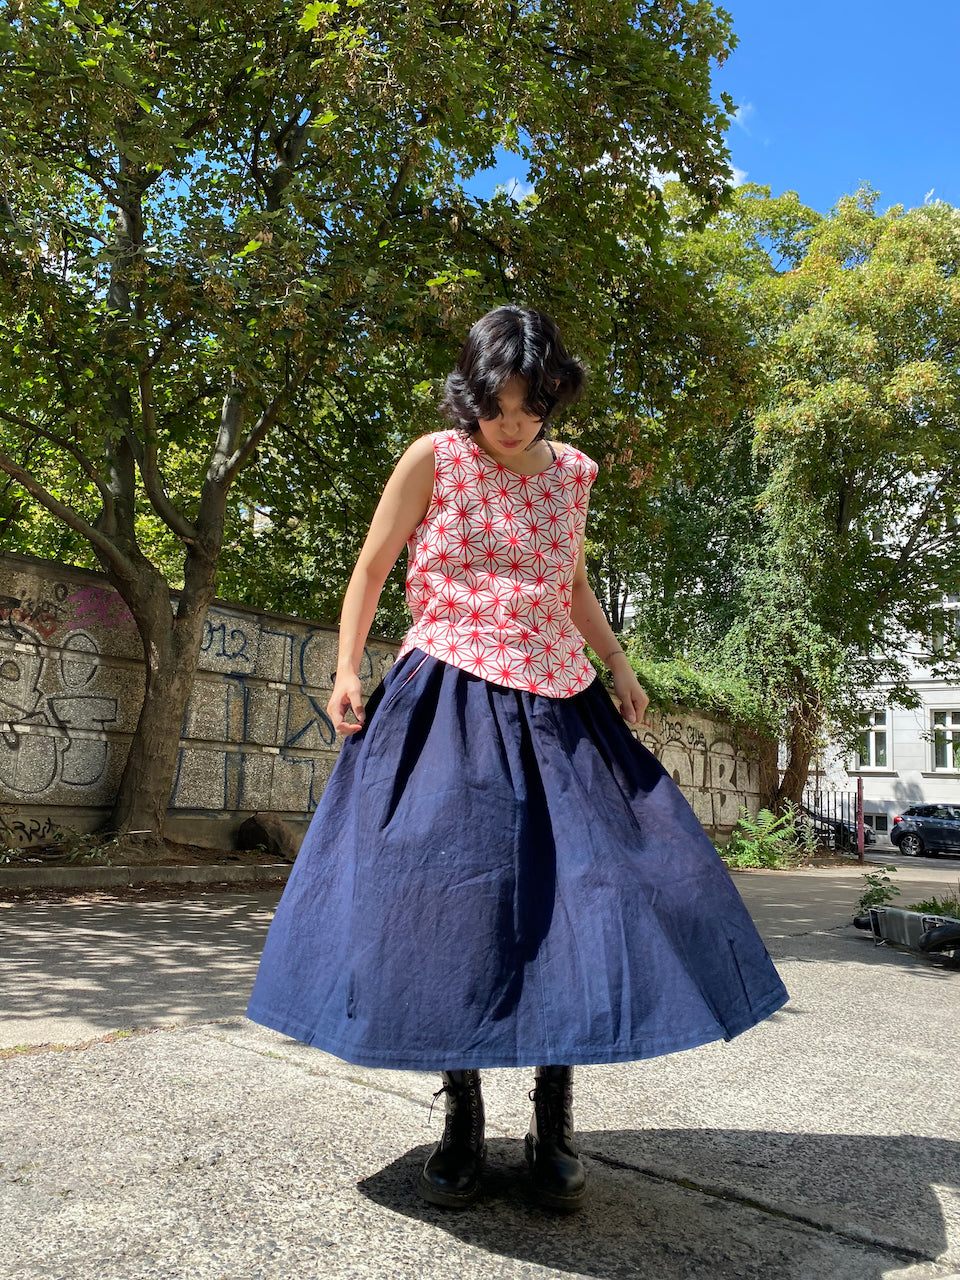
x=490 y=568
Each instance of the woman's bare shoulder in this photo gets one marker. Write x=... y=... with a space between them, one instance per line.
x=418 y=455
x=414 y=473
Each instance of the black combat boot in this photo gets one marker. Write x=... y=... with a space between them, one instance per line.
x=558 y=1177
x=451 y=1176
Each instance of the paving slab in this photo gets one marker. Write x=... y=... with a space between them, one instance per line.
x=823 y=1143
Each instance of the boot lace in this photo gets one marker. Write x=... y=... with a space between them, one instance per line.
x=467 y=1096
x=551 y=1100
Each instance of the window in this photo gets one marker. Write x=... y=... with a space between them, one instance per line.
x=946 y=634
x=872 y=752
x=878 y=821
x=946 y=740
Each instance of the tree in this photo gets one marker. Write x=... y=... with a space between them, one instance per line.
x=860 y=435
x=810 y=564
x=210 y=241
x=678 y=544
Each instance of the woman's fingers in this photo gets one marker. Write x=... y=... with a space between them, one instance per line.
x=633 y=705
x=341 y=701
x=356 y=705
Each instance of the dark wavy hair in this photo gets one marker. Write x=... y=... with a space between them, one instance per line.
x=507 y=341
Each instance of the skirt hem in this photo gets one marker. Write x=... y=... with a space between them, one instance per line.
x=447 y=1060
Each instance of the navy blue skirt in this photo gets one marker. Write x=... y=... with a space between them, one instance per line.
x=494 y=878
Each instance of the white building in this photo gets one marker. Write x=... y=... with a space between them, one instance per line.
x=906 y=756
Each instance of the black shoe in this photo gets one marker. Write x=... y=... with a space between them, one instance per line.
x=451 y=1176
x=558 y=1177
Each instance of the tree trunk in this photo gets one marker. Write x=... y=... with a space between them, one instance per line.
x=171 y=650
x=802 y=743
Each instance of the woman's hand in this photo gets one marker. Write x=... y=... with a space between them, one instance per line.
x=347 y=695
x=633 y=700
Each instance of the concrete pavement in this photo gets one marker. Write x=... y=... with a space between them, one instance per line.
x=824 y=1143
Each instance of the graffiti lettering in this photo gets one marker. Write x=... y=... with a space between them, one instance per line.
x=50 y=731
x=41 y=614
x=221 y=644
x=26 y=831
x=672 y=731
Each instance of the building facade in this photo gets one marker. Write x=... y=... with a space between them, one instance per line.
x=906 y=755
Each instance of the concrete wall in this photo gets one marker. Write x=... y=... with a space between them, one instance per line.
x=255 y=736
x=717 y=768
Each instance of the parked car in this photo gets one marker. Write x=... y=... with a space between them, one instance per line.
x=834 y=832
x=927 y=828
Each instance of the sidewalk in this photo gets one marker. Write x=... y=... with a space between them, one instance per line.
x=823 y=1144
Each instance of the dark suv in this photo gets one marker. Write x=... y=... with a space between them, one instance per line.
x=834 y=832
x=927 y=828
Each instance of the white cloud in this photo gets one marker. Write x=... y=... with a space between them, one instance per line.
x=929 y=196
x=739 y=176
x=742 y=114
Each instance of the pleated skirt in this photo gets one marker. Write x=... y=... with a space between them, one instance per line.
x=494 y=878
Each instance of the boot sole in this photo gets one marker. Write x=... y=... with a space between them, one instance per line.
x=446 y=1199
x=565 y=1204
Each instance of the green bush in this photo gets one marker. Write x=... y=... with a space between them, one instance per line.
x=949 y=905
x=879 y=891
x=676 y=683
x=764 y=841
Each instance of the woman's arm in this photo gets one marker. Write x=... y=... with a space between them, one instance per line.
x=403 y=504
x=589 y=619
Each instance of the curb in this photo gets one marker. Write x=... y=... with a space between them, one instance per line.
x=114 y=877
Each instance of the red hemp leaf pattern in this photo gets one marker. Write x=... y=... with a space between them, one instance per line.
x=490 y=569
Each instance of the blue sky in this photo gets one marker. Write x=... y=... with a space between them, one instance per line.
x=834 y=94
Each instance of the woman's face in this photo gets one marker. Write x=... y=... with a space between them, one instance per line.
x=507 y=436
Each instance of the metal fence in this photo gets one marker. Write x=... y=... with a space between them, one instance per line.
x=837 y=818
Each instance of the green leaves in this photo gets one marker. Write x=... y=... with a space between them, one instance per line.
x=294 y=223
x=806 y=548
x=315 y=11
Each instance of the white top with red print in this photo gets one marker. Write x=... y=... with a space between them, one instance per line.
x=490 y=568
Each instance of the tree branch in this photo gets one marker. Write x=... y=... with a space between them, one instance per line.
x=288 y=143
x=260 y=429
x=67 y=515
x=84 y=463
x=170 y=514
x=221 y=470
x=169 y=331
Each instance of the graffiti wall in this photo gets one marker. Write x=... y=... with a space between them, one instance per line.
x=717 y=769
x=255 y=735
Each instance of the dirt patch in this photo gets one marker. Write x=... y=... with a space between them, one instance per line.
x=136 y=893
x=131 y=851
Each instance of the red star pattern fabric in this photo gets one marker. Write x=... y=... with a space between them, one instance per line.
x=490 y=569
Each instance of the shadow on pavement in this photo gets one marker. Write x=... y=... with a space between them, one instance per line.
x=746 y=1203
x=132 y=964
x=112 y=964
